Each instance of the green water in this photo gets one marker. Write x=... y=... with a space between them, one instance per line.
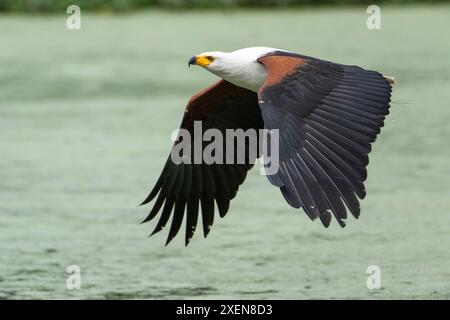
x=85 y=123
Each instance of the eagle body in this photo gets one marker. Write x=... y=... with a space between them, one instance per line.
x=327 y=114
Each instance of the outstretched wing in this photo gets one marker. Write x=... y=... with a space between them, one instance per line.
x=182 y=188
x=328 y=115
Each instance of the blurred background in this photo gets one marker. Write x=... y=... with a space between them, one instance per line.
x=85 y=122
x=124 y=5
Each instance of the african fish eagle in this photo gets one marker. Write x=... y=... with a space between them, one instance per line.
x=327 y=114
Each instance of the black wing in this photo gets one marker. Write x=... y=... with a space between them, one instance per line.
x=184 y=188
x=328 y=115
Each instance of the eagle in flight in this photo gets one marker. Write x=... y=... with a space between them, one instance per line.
x=327 y=114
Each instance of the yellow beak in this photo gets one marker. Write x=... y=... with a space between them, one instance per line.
x=200 y=61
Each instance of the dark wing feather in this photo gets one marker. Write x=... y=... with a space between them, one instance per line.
x=183 y=189
x=328 y=115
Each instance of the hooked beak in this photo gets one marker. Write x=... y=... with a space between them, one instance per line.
x=192 y=60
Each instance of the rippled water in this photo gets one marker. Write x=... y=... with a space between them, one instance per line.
x=85 y=122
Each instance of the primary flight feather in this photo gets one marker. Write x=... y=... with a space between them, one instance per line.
x=327 y=114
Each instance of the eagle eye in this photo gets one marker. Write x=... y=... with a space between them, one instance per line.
x=210 y=58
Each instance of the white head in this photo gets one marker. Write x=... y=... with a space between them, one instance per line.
x=239 y=67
